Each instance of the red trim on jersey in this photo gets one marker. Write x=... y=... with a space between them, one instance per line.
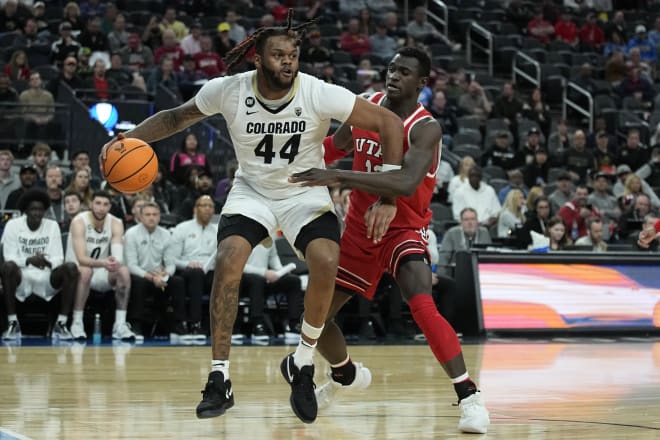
x=657 y=226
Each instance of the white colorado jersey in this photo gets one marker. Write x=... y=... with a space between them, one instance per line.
x=271 y=145
x=19 y=242
x=97 y=243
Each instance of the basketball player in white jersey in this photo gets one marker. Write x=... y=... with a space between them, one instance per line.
x=277 y=119
x=96 y=244
x=34 y=264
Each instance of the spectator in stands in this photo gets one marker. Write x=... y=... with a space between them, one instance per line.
x=222 y=42
x=152 y=35
x=100 y=264
x=578 y=159
x=518 y=14
x=80 y=184
x=38 y=14
x=446 y=115
x=367 y=23
x=461 y=178
x=193 y=243
x=170 y=22
x=556 y=232
x=456 y=83
x=122 y=76
x=594 y=237
x=634 y=153
x=633 y=186
x=635 y=61
x=391 y=20
x=236 y=31
x=164 y=191
x=109 y=15
x=636 y=84
x=525 y=155
x=511 y=216
x=461 y=238
x=191 y=43
x=654 y=35
x=576 y=212
x=475 y=102
x=190 y=155
x=539 y=28
x=478 y=195
x=313 y=50
x=421 y=30
x=38 y=109
x=616 y=26
x=201 y=184
x=508 y=106
x=170 y=49
x=354 y=42
x=382 y=45
x=80 y=161
x=9 y=181
x=500 y=154
x=34 y=264
x=92 y=8
x=18 y=67
x=592 y=37
x=615 y=43
x=152 y=268
x=93 y=38
x=207 y=60
x=515 y=181
x=615 y=68
x=165 y=76
x=40 y=157
x=72 y=207
x=190 y=79
x=536 y=109
x=585 y=80
x=118 y=36
x=566 y=30
x=604 y=202
x=536 y=173
x=135 y=55
x=28 y=179
x=536 y=220
x=262 y=278
x=641 y=41
x=67 y=76
x=604 y=158
x=101 y=87
x=7 y=93
x=53 y=186
x=632 y=222
x=12 y=16
x=65 y=46
x=650 y=171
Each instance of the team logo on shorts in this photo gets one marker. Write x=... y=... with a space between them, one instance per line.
x=249 y=101
x=298 y=111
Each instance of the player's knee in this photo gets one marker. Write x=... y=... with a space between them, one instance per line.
x=234 y=261
x=70 y=271
x=10 y=270
x=85 y=275
x=324 y=263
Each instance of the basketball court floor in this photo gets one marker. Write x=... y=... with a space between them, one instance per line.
x=535 y=389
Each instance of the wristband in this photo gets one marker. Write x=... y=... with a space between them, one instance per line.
x=389 y=167
x=330 y=152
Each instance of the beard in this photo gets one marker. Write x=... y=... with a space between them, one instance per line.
x=274 y=82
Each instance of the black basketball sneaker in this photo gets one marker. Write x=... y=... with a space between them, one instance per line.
x=217 y=396
x=303 y=399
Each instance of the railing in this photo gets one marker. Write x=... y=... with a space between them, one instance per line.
x=440 y=21
x=568 y=102
x=22 y=125
x=488 y=49
x=535 y=80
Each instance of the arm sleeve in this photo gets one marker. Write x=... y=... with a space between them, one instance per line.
x=10 y=245
x=131 y=254
x=332 y=101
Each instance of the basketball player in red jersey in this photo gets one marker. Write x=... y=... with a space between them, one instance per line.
x=402 y=249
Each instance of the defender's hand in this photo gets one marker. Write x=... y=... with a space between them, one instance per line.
x=378 y=218
x=315 y=177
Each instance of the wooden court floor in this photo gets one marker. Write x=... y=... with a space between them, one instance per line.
x=534 y=390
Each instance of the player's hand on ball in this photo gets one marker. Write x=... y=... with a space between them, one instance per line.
x=316 y=177
x=104 y=149
x=378 y=218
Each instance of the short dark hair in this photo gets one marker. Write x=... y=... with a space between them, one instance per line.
x=421 y=56
x=102 y=193
x=72 y=193
x=33 y=195
x=468 y=209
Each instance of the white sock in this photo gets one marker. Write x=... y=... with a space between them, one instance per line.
x=62 y=319
x=221 y=366
x=304 y=354
x=120 y=317
x=11 y=318
x=78 y=316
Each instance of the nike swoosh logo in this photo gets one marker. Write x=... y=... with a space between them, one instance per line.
x=251 y=113
x=288 y=371
x=228 y=393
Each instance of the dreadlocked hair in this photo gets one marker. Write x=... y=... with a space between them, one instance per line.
x=260 y=36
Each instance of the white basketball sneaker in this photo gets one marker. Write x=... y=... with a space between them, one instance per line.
x=474 y=415
x=325 y=394
x=123 y=332
x=78 y=330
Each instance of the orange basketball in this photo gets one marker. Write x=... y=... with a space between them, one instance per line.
x=130 y=165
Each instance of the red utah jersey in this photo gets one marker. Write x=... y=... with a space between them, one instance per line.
x=412 y=212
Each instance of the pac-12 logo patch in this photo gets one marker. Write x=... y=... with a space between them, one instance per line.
x=298 y=111
x=249 y=101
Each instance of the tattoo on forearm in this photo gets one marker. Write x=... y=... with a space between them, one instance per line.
x=224 y=306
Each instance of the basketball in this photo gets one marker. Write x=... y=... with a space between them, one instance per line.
x=130 y=165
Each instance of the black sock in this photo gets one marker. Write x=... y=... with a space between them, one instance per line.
x=345 y=374
x=465 y=389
